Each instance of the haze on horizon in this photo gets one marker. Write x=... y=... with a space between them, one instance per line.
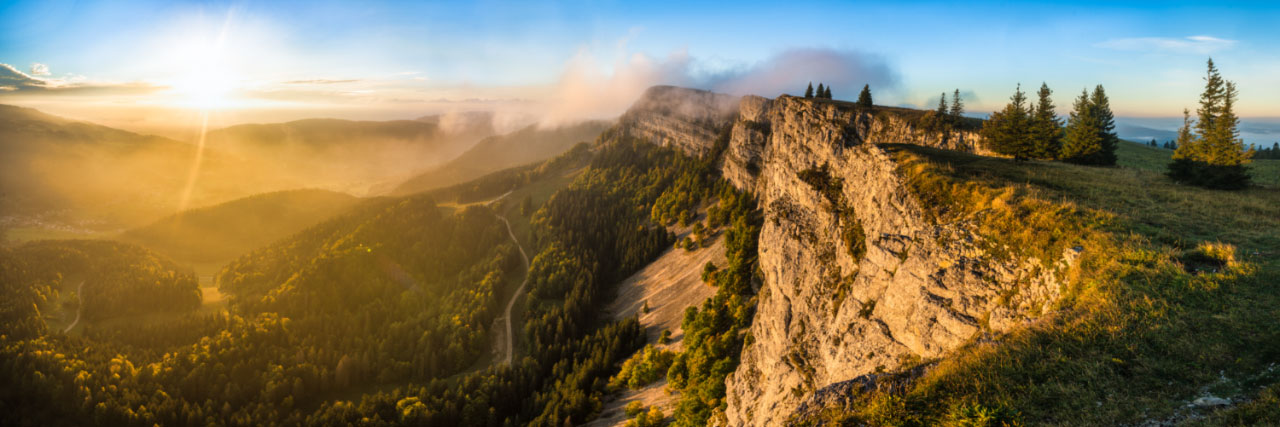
x=154 y=67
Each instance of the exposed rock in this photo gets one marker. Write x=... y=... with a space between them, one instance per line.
x=1209 y=402
x=687 y=119
x=857 y=280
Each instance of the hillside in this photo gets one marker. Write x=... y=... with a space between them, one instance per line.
x=55 y=171
x=352 y=156
x=225 y=231
x=883 y=263
x=867 y=267
x=1265 y=172
x=527 y=145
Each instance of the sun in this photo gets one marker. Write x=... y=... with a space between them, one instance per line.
x=205 y=89
x=202 y=68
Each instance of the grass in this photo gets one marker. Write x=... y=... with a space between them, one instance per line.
x=1134 y=155
x=1136 y=336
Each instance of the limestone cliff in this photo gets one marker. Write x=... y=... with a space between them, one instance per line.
x=857 y=280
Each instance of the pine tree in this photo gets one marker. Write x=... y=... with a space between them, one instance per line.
x=942 y=105
x=1106 y=127
x=957 y=107
x=1082 y=138
x=821 y=90
x=1090 y=138
x=1008 y=131
x=1214 y=156
x=828 y=94
x=1046 y=128
x=864 y=98
x=808 y=93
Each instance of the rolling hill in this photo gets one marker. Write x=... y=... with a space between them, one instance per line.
x=495 y=153
x=350 y=156
x=58 y=170
x=227 y=230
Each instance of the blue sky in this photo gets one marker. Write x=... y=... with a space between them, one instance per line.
x=389 y=59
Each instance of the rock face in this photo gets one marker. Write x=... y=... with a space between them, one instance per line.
x=857 y=280
x=687 y=119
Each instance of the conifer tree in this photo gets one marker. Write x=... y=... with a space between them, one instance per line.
x=808 y=93
x=1184 y=132
x=1046 y=128
x=942 y=105
x=1090 y=137
x=1008 y=131
x=1214 y=156
x=828 y=94
x=957 y=107
x=1082 y=138
x=864 y=98
x=821 y=90
x=1106 y=126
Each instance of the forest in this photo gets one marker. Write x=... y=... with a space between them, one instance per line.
x=381 y=315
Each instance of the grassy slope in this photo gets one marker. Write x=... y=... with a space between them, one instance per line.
x=1139 y=156
x=222 y=232
x=1136 y=336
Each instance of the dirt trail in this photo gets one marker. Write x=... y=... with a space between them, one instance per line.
x=509 y=349
x=79 y=307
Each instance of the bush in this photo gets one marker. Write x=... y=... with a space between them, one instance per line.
x=643 y=368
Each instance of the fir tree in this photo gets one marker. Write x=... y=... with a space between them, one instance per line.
x=1046 y=128
x=1106 y=127
x=821 y=91
x=957 y=107
x=1082 y=138
x=1214 y=156
x=942 y=105
x=828 y=93
x=864 y=98
x=808 y=93
x=1008 y=131
x=1090 y=138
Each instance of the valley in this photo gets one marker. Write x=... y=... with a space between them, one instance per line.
x=707 y=258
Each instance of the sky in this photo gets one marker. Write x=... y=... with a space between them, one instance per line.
x=155 y=66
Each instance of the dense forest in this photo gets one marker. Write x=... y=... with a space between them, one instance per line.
x=382 y=314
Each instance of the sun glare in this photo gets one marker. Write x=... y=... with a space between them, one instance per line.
x=206 y=89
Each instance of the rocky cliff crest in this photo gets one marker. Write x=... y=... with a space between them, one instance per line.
x=857 y=279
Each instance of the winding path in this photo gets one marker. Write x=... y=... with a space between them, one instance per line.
x=80 y=300
x=510 y=348
x=512 y=303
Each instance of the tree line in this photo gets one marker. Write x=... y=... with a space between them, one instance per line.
x=824 y=92
x=1024 y=131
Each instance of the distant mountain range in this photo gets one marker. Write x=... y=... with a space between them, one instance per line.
x=59 y=171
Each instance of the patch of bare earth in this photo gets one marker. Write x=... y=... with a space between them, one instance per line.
x=669 y=284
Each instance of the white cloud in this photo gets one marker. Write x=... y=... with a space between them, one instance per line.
x=1193 y=44
x=590 y=88
x=38 y=69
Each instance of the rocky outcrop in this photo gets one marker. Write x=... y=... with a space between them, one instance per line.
x=687 y=119
x=857 y=280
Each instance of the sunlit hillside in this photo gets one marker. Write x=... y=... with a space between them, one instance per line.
x=639 y=214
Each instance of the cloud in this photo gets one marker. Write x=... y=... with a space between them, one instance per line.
x=13 y=81
x=589 y=88
x=792 y=70
x=38 y=69
x=10 y=77
x=319 y=82
x=1189 y=45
